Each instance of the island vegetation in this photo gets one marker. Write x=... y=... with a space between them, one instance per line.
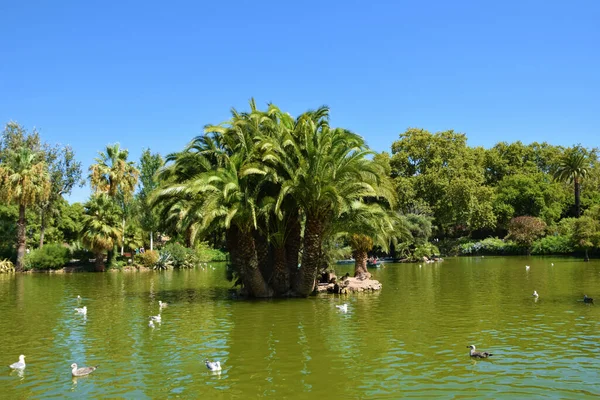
x=282 y=197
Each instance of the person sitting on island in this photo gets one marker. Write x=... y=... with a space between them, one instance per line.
x=142 y=250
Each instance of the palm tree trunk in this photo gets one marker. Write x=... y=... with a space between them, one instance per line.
x=281 y=275
x=21 y=239
x=304 y=283
x=42 y=227
x=123 y=236
x=252 y=278
x=360 y=262
x=577 y=198
x=151 y=241
x=293 y=244
x=99 y=264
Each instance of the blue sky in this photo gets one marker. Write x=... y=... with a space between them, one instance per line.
x=152 y=74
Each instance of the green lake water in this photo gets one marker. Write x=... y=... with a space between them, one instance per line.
x=409 y=340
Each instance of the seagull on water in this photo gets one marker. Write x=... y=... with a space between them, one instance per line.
x=155 y=318
x=151 y=324
x=343 y=307
x=213 y=365
x=527 y=268
x=588 y=300
x=83 y=371
x=82 y=310
x=552 y=264
x=19 y=364
x=78 y=297
x=161 y=304
x=478 y=354
x=535 y=294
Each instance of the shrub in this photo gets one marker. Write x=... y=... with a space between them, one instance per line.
x=490 y=246
x=178 y=252
x=206 y=253
x=147 y=258
x=526 y=230
x=51 y=256
x=165 y=261
x=558 y=244
x=80 y=253
x=425 y=250
x=6 y=266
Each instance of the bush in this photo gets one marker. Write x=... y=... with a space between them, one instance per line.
x=206 y=253
x=490 y=246
x=526 y=230
x=165 y=261
x=178 y=252
x=147 y=258
x=6 y=266
x=558 y=244
x=80 y=253
x=425 y=250
x=51 y=256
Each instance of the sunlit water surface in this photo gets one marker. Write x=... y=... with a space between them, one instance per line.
x=409 y=340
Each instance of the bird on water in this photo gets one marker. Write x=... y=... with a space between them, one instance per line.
x=213 y=365
x=588 y=300
x=19 y=364
x=83 y=371
x=478 y=354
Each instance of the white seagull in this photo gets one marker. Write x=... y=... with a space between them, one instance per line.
x=527 y=268
x=535 y=294
x=156 y=318
x=213 y=365
x=82 y=310
x=19 y=364
x=478 y=354
x=161 y=304
x=151 y=324
x=343 y=307
x=83 y=371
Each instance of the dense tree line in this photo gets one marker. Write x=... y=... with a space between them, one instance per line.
x=286 y=196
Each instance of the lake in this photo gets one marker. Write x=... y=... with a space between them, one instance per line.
x=408 y=340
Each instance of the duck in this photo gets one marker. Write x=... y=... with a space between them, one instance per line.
x=213 y=365
x=478 y=354
x=535 y=294
x=83 y=371
x=155 y=318
x=82 y=310
x=588 y=300
x=343 y=307
x=19 y=364
x=162 y=304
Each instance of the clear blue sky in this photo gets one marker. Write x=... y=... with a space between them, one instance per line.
x=152 y=74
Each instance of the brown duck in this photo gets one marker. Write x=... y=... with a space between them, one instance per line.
x=478 y=354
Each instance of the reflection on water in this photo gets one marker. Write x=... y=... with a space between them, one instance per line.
x=409 y=340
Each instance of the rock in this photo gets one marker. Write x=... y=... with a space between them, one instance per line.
x=350 y=285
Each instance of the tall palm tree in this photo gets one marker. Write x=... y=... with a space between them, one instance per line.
x=24 y=180
x=101 y=230
x=573 y=168
x=114 y=175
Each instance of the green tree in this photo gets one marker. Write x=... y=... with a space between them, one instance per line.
x=149 y=165
x=573 y=168
x=65 y=172
x=24 y=181
x=101 y=231
x=114 y=175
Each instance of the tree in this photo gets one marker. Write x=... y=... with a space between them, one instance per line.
x=101 y=231
x=573 y=168
x=526 y=230
x=149 y=166
x=65 y=172
x=114 y=175
x=24 y=180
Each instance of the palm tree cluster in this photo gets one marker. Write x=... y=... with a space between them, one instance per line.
x=278 y=187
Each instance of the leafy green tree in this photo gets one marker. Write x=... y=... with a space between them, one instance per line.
x=101 y=230
x=114 y=175
x=526 y=230
x=65 y=172
x=70 y=221
x=586 y=234
x=24 y=181
x=573 y=168
x=149 y=166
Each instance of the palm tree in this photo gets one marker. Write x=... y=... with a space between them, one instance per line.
x=113 y=174
x=573 y=168
x=101 y=231
x=24 y=180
